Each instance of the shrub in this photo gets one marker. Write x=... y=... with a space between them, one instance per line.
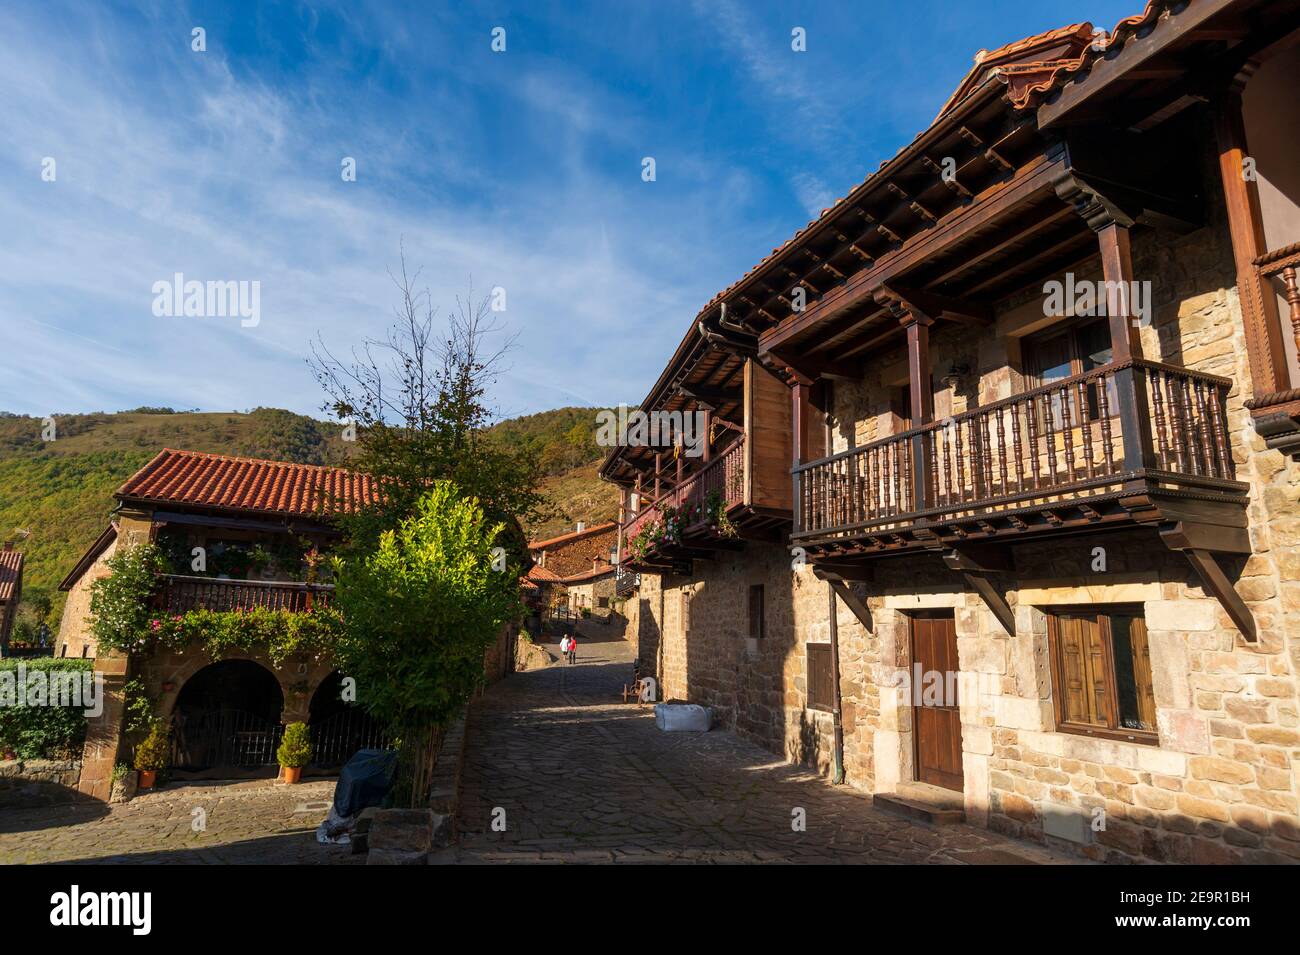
x=155 y=752
x=40 y=732
x=295 y=748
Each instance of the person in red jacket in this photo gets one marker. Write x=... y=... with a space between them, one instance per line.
x=573 y=649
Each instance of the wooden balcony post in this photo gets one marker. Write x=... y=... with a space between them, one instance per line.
x=799 y=409
x=658 y=457
x=1259 y=312
x=622 y=520
x=708 y=428
x=922 y=410
x=1126 y=344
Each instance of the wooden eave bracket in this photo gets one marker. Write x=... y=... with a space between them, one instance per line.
x=976 y=564
x=851 y=600
x=1199 y=543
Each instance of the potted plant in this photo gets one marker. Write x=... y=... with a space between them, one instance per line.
x=295 y=751
x=153 y=753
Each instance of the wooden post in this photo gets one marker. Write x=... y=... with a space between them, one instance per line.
x=1126 y=343
x=922 y=410
x=708 y=428
x=799 y=442
x=622 y=519
x=1259 y=312
x=658 y=455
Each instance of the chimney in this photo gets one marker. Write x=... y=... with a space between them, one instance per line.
x=582 y=526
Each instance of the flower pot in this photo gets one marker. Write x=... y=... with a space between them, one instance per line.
x=292 y=774
x=147 y=777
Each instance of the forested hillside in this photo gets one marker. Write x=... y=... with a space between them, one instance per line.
x=56 y=495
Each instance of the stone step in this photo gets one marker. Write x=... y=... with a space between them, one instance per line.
x=931 y=804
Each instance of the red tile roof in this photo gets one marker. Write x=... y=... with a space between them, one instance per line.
x=11 y=572
x=539 y=573
x=196 y=479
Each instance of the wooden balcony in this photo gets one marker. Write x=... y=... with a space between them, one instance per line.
x=1070 y=455
x=177 y=594
x=717 y=488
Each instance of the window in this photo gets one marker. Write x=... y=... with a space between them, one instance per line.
x=1101 y=673
x=1064 y=354
x=821 y=683
x=63 y=651
x=756 y=612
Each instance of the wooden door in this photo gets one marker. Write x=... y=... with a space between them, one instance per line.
x=936 y=717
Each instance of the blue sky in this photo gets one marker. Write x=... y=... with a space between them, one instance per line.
x=519 y=169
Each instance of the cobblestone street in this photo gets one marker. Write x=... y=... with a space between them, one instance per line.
x=583 y=778
x=247 y=822
x=579 y=776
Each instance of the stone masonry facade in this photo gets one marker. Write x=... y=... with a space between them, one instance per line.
x=1222 y=784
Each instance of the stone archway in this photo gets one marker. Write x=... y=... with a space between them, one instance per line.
x=226 y=721
x=339 y=727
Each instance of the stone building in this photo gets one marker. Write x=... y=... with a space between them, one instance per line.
x=576 y=569
x=1039 y=561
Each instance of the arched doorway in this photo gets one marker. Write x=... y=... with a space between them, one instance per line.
x=339 y=728
x=227 y=722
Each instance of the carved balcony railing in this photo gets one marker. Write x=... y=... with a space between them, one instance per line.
x=1062 y=441
x=177 y=594
x=1280 y=266
x=690 y=500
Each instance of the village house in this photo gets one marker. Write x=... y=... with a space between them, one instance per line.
x=1029 y=551
x=238 y=534
x=575 y=570
x=11 y=591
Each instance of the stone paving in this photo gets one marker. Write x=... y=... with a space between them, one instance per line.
x=246 y=822
x=578 y=776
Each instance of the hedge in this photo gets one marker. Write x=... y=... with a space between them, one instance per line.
x=42 y=732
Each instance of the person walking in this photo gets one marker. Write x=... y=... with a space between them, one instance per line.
x=573 y=649
x=564 y=647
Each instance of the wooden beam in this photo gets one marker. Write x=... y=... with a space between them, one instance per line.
x=939 y=306
x=994 y=599
x=1260 y=316
x=851 y=600
x=1217 y=585
x=1034 y=181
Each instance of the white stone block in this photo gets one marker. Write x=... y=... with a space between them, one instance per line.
x=1066 y=822
x=1162 y=761
x=1184 y=615
x=1021 y=714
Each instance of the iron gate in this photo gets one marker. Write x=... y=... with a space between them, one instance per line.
x=204 y=739
x=335 y=738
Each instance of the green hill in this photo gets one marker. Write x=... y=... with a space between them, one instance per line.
x=55 y=496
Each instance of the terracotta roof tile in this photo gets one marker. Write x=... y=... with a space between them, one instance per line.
x=11 y=572
x=198 y=479
x=539 y=573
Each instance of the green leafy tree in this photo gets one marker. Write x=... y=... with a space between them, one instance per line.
x=419 y=613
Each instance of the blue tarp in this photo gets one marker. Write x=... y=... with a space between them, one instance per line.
x=364 y=781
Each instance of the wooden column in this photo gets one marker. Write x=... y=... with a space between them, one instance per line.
x=922 y=410
x=799 y=413
x=622 y=519
x=708 y=429
x=1126 y=344
x=658 y=462
x=1259 y=312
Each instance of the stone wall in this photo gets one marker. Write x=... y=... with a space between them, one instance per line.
x=1221 y=785
x=38 y=782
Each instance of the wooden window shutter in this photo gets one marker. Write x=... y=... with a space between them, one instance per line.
x=1085 y=693
x=821 y=686
x=1142 y=671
